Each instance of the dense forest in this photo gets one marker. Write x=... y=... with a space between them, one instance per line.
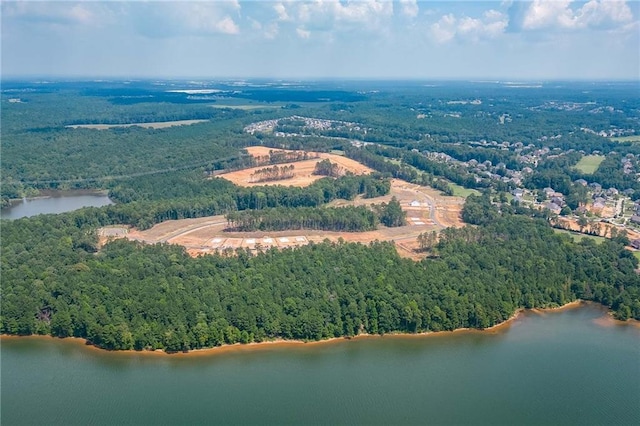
x=348 y=219
x=148 y=200
x=132 y=296
x=56 y=280
x=456 y=119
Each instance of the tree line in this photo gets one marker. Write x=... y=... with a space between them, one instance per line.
x=347 y=219
x=147 y=200
x=269 y=174
x=327 y=168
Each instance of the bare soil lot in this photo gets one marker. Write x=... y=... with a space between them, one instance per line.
x=604 y=229
x=303 y=170
x=426 y=210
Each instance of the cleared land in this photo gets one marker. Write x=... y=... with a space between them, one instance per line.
x=460 y=191
x=596 y=229
x=589 y=163
x=303 y=170
x=577 y=236
x=634 y=138
x=246 y=107
x=426 y=210
x=156 y=125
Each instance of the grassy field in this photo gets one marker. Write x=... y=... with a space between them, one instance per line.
x=154 y=125
x=577 y=236
x=247 y=107
x=460 y=191
x=637 y=254
x=589 y=163
x=634 y=138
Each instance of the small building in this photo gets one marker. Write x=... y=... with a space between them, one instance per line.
x=636 y=244
x=518 y=192
x=596 y=187
x=635 y=219
x=581 y=182
x=553 y=207
x=557 y=200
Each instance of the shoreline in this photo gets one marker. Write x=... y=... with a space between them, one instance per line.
x=279 y=343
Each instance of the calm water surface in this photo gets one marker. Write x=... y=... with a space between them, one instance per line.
x=56 y=203
x=559 y=368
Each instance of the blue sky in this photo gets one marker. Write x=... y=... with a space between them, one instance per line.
x=540 y=39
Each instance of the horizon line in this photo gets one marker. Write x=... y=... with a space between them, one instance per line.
x=488 y=80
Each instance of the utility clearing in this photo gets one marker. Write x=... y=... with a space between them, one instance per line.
x=156 y=125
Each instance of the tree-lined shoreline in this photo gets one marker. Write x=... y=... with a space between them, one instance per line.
x=282 y=343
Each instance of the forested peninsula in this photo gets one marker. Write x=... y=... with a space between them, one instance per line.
x=148 y=297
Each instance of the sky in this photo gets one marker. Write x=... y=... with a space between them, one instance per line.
x=367 y=39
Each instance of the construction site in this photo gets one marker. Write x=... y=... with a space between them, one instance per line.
x=426 y=210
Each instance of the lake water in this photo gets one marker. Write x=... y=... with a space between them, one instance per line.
x=56 y=203
x=567 y=367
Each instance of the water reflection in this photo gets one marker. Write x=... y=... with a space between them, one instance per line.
x=55 y=202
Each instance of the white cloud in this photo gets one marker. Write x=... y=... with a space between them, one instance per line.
x=409 y=8
x=203 y=17
x=281 y=10
x=227 y=26
x=302 y=33
x=559 y=14
x=55 y=13
x=271 y=30
x=366 y=14
x=491 y=25
x=169 y=19
x=445 y=29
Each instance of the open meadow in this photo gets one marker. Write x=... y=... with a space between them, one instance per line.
x=589 y=163
x=153 y=125
x=634 y=138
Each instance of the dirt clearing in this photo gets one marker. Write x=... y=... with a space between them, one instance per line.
x=303 y=170
x=427 y=210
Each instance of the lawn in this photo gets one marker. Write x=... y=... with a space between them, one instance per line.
x=461 y=191
x=577 y=236
x=589 y=163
